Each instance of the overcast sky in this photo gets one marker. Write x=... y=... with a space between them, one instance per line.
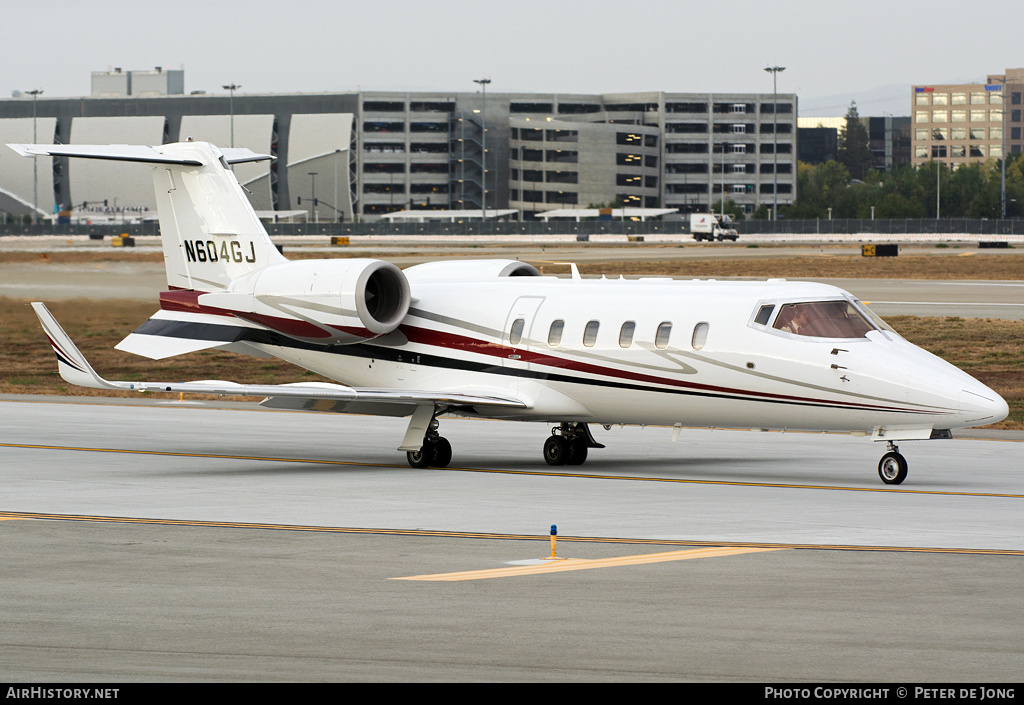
x=833 y=51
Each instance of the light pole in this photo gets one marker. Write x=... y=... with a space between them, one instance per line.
x=482 y=82
x=35 y=165
x=1002 y=161
x=231 y=107
x=774 y=71
x=312 y=189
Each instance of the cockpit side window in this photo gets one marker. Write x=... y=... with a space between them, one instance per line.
x=822 y=319
x=764 y=314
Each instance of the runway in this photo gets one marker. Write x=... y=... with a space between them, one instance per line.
x=164 y=541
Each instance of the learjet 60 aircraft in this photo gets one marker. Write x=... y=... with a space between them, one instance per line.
x=496 y=339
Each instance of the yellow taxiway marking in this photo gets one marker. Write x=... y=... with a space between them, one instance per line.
x=561 y=566
x=534 y=473
x=743 y=546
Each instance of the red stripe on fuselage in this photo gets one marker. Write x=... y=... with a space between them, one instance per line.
x=426 y=336
x=186 y=300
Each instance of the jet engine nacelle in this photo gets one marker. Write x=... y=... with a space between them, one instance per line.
x=325 y=301
x=470 y=270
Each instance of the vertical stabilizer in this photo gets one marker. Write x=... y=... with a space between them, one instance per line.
x=210 y=232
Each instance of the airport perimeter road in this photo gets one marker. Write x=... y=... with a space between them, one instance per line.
x=175 y=542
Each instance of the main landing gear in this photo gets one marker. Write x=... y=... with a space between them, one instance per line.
x=892 y=468
x=436 y=451
x=568 y=444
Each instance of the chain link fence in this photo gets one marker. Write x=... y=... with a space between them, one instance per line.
x=592 y=227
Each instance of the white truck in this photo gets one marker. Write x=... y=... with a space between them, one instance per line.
x=712 y=226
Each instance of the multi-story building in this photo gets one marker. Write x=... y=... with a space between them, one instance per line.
x=888 y=139
x=961 y=123
x=365 y=154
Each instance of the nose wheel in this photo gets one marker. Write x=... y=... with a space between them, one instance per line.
x=892 y=468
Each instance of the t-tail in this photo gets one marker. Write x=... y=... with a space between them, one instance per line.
x=210 y=232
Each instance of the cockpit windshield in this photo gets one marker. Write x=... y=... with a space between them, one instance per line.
x=823 y=319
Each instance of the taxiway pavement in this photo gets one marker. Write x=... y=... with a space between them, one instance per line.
x=165 y=541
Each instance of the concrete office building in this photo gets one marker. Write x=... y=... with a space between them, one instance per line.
x=970 y=122
x=365 y=154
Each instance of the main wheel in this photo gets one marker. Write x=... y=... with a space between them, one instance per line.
x=422 y=458
x=577 y=452
x=442 y=453
x=556 y=450
x=892 y=468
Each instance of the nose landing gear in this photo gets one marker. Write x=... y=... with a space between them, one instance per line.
x=892 y=468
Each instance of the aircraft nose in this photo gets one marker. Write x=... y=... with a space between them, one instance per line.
x=980 y=406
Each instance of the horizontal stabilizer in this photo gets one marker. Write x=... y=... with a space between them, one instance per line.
x=158 y=347
x=131 y=153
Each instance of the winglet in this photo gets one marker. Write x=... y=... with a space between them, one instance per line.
x=71 y=363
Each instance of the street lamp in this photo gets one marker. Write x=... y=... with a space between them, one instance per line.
x=774 y=71
x=232 y=87
x=35 y=166
x=482 y=82
x=1002 y=160
x=312 y=189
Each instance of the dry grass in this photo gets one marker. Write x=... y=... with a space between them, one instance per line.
x=988 y=349
x=662 y=261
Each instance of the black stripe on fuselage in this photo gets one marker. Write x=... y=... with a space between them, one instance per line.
x=232 y=334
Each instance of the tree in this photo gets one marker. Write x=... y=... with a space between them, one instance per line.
x=731 y=208
x=854 y=145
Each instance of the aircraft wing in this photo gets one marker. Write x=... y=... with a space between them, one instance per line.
x=316 y=396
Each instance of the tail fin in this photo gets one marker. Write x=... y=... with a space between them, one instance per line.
x=209 y=231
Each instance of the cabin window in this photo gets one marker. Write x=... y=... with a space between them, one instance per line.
x=626 y=334
x=555 y=332
x=590 y=333
x=764 y=314
x=700 y=336
x=515 y=336
x=822 y=319
x=661 y=337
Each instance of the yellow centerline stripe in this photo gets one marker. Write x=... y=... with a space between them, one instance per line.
x=502 y=537
x=532 y=473
x=562 y=566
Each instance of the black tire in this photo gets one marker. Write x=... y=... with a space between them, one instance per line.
x=892 y=468
x=556 y=450
x=442 y=453
x=422 y=458
x=577 y=452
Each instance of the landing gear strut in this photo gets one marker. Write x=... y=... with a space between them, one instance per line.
x=568 y=444
x=436 y=451
x=892 y=468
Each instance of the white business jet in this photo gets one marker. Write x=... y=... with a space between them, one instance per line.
x=495 y=339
